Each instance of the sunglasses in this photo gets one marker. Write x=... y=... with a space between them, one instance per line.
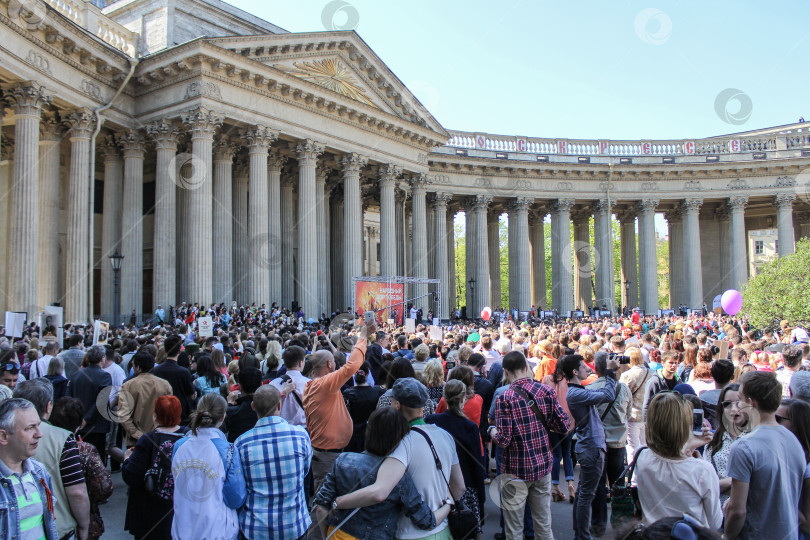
x=729 y=404
x=13 y=367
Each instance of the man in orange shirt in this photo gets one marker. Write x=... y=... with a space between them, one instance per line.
x=328 y=420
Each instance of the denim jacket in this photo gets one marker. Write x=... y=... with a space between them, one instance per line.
x=377 y=522
x=9 y=519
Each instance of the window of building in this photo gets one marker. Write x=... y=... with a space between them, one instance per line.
x=759 y=247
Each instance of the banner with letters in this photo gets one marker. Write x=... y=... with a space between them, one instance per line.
x=371 y=295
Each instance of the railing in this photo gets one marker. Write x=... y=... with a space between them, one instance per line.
x=794 y=137
x=91 y=18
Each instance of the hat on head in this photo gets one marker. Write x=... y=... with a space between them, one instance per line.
x=684 y=389
x=192 y=348
x=410 y=393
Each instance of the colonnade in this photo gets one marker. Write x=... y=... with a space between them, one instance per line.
x=283 y=222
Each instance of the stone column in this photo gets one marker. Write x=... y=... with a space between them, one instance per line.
x=603 y=240
x=164 y=269
x=648 y=267
x=523 y=276
x=482 y=292
x=399 y=218
x=353 y=224
x=784 y=223
x=202 y=123
x=239 y=229
x=288 y=239
x=629 y=262
x=224 y=151
x=511 y=258
x=111 y=221
x=538 y=245
x=419 y=244
x=451 y=261
x=338 y=253
x=677 y=284
x=77 y=299
x=133 y=145
x=388 y=223
x=430 y=240
x=561 y=274
x=582 y=254
x=307 y=269
x=50 y=138
x=494 y=246
x=322 y=218
x=693 y=269
x=442 y=273
x=258 y=139
x=26 y=100
x=470 y=257
x=723 y=253
x=275 y=164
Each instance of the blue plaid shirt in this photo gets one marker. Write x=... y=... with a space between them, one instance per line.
x=275 y=458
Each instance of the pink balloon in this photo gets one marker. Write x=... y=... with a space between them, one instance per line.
x=488 y=310
x=485 y=314
x=731 y=301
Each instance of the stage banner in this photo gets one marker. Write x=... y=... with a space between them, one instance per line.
x=376 y=296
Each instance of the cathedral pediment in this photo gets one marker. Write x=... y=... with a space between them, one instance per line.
x=340 y=62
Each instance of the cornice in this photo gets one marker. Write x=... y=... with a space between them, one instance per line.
x=79 y=48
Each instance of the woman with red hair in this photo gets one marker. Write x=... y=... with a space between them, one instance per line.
x=151 y=506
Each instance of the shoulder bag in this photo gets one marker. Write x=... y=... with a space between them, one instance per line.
x=462 y=520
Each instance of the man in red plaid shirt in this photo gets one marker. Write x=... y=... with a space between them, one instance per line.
x=527 y=453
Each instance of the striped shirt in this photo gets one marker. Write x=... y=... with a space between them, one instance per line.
x=29 y=503
x=275 y=459
x=70 y=465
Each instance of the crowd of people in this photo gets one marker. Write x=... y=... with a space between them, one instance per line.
x=282 y=427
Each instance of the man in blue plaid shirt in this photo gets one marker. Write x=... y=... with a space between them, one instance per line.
x=275 y=459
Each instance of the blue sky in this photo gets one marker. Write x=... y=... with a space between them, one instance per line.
x=586 y=69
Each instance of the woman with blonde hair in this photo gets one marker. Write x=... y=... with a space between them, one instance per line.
x=670 y=462
x=636 y=380
x=545 y=361
x=208 y=481
x=433 y=378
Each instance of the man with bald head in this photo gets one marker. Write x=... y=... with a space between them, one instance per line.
x=328 y=420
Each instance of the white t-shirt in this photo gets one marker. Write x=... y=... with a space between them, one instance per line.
x=700 y=386
x=414 y=452
x=672 y=487
x=40 y=367
x=799 y=335
x=117 y=375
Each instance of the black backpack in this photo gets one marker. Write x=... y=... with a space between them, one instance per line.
x=158 y=479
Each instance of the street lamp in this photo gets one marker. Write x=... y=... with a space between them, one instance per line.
x=471 y=283
x=115 y=260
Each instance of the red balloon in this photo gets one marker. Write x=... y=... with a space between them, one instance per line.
x=485 y=314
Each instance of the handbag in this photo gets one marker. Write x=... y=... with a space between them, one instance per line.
x=462 y=521
x=625 y=506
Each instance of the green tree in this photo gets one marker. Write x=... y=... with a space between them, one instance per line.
x=780 y=291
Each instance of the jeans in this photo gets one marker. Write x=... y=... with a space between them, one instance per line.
x=615 y=460
x=635 y=438
x=528 y=526
x=514 y=496
x=591 y=463
x=561 y=449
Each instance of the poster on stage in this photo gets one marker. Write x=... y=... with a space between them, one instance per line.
x=435 y=333
x=376 y=296
x=206 y=326
x=410 y=326
x=101 y=332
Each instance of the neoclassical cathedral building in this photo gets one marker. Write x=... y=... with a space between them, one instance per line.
x=229 y=160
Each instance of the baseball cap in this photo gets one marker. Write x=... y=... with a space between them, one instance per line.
x=410 y=393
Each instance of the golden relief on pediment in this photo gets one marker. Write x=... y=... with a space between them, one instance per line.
x=330 y=74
